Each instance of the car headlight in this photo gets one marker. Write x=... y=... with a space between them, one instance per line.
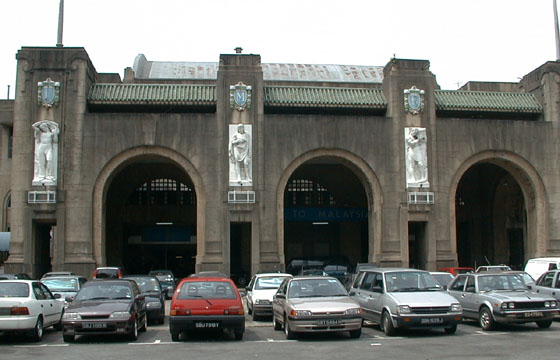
x=354 y=311
x=301 y=313
x=153 y=304
x=456 y=308
x=403 y=309
x=553 y=304
x=120 y=314
x=262 y=302
x=507 y=305
x=71 y=316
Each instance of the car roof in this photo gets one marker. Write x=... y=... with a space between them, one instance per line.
x=440 y=273
x=19 y=280
x=389 y=269
x=312 y=277
x=273 y=274
x=62 y=277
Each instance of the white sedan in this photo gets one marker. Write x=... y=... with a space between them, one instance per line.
x=28 y=306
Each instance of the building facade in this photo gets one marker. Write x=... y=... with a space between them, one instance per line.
x=241 y=166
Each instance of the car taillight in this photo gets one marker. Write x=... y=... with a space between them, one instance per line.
x=19 y=311
x=236 y=311
x=179 y=312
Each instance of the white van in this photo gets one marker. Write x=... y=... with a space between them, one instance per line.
x=538 y=266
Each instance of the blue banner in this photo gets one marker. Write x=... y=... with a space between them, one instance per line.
x=326 y=214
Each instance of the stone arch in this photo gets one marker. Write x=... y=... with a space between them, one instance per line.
x=531 y=186
x=368 y=179
x=124 y=159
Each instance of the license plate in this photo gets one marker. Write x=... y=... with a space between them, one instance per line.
x=534 y=314
x=327 y=322
x=94 y=325
x=430 y=321
x=207 y=325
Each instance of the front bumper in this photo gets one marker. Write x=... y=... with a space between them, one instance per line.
x=189 y=323
x=517 y=317
x=97 y=326
x=427 y=320
x=262 y=309
x=330 y=324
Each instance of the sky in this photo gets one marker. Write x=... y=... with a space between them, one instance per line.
x=474 y=40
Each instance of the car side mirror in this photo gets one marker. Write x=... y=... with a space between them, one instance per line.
x=69 y=298
x=243 y=292
x=377 y=289
x=140 y=297
x=280 y=296
x=530 y=287
x=470 y=289
x=57 y=296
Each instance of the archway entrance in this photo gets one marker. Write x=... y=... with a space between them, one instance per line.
x=491 y=217
x=325 y=214
x=151 y=218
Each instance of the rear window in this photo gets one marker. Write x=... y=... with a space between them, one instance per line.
x=107 y=273
x=12 y=289
x=55 y=284
x=206 y=290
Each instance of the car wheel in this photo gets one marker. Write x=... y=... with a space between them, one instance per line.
x=68 y=338
x=486 y=320
x=451 y=330
x=144 y=326
x=387 y=324
x=238 y=334
x=133 y=336
x=545 y=324
x=277 y=325
x=37 y=332
x=175 y=336
x=289 y=333
x=355 y=334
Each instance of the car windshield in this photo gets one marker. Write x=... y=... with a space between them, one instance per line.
x=146 y=284
x=309 y=288
x=104 y=291
x=269 y=282
x=61 y=284
x=13 y=289
x=206 y=290
x=507 y=282
x=107 y=273
x=405 y=281
x=443 y=279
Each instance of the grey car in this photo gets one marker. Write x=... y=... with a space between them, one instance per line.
x=502 y=297
x=549 y=284
x=315 y=304
x=64 y=287
x=405 y=298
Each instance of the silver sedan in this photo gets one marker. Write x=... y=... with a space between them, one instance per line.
x=315 y=304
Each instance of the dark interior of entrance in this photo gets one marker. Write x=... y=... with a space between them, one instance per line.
x=491 y=218
x=240 y=252
x=417 y=249
x=151 y=219
x=325 y=213
x=43 y=248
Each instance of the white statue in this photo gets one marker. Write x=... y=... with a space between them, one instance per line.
x=416 y=157
x=240 y=155
x=46 y=153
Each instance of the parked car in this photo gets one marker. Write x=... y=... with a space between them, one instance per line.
x=359 y=267
x=458 y=270
x=112 y=306
x=108 y=272
x=549 y=284
x=501 y=297
x=443 y=278
x=538 y=266
x=315 y=304
x=206 y=303
x=167 y=280
x=260 y=291
x=341 y=272
x=66 y=286
x=21 y=276
x=493 y=268
x=405 y=298
x=154 y=295
x=57 y=273
x=312 y=272
x=27 y=306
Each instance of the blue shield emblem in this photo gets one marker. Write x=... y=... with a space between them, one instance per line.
x=414 y=101
x=240 y=97
x=48 y=93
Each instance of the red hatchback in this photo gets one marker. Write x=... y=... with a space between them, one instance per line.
x=206 y=303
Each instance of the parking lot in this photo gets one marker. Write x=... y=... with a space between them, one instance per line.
x=261 y=340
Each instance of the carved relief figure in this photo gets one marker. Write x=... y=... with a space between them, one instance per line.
x=416 y=157
x=46 y=152
x=240 y=155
